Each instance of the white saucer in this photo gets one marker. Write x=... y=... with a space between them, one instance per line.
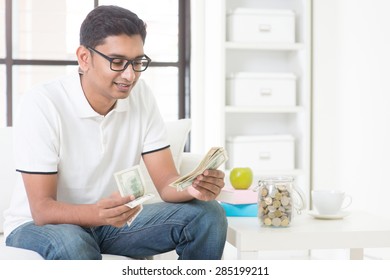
x=337 y=216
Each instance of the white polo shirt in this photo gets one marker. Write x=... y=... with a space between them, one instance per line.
x=57 y=132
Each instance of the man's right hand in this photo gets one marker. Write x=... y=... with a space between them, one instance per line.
x=114 y=212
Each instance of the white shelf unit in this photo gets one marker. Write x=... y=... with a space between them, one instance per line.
x=264 y=46
x=233 y=57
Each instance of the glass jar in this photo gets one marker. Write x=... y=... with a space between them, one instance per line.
x=277 y=200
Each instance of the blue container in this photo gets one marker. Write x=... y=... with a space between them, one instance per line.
x=240 y=210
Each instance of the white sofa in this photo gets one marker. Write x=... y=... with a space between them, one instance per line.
x=185 y=162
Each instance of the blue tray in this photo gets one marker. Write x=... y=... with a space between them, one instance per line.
x=240 y=210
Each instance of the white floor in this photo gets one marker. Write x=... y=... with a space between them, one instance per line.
x=230 y=253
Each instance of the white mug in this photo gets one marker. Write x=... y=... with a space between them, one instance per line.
x=330 y=202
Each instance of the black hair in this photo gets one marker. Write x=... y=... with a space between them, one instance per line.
x=104 y=21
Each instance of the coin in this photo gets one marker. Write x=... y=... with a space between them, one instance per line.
x=278 y=213
x=271 y=208
x=267 y=221
x=268 y=200
x=278 y=196
x=285 y=222
x=276 y=222
x=276 y=203
x=285 y=200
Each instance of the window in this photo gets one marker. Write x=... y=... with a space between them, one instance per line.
x=40 y=39
x=3 y=80
x=2 y=30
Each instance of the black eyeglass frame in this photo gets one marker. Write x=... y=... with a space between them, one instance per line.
x=144 y=58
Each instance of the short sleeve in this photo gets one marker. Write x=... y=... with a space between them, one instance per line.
x=35 y=134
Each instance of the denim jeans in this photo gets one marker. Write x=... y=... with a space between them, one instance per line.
x=196 y=229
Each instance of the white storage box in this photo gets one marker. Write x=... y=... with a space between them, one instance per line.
x=262 y=152
x=259 y=25
x=261 y=89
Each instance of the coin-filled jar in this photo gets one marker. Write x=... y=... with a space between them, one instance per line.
x=277 y=200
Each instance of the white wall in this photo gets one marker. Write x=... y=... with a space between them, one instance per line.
x=326 y=92
x=351 y=102
x=207 y=67
x=197 y=75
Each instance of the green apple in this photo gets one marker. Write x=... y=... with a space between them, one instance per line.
x=241 y=178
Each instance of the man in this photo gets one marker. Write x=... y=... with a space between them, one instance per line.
x=74 y=133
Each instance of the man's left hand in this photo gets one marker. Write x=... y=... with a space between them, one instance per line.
x=208 y=185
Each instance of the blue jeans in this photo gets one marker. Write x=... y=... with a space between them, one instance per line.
x=196 y=229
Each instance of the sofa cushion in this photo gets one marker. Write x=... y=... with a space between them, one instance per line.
x=7 y=171
x=177 y=132
x=11 y=253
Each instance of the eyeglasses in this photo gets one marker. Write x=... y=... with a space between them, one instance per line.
x=139 y=64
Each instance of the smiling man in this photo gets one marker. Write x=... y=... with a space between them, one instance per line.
x=74 y=133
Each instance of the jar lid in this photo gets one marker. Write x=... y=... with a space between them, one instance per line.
x=277 y=179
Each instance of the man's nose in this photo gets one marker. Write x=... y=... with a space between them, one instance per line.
x=129 y=73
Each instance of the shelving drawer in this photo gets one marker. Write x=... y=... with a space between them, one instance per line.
x=261 y=89
x=261 y=25
x=261 y=152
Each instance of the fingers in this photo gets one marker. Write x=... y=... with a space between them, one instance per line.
x=113 y=210
x=214 y=173
x=208 y=185
x=114 y=200
x=213 y=180
x=211 y=185
x=118 y=216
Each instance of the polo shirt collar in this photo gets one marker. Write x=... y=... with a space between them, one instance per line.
x=122 y=105
x=76 y=95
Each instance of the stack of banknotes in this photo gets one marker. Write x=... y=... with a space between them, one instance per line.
x=215 y=157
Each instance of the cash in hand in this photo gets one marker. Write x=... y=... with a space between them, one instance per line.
x=215 y=157
x=131 y=182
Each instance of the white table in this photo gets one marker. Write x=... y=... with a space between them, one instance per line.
x=355 y=232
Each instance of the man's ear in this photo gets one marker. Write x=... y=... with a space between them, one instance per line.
x=83 y=57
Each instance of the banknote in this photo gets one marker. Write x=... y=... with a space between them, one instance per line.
x=131 y=182
x=129 y=222
x=214 y=158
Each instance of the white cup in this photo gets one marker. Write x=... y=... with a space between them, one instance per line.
x=330 y=202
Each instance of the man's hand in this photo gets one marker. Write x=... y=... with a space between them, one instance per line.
x=208 y=185
x=114 y=212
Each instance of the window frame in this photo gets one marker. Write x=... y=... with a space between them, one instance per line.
x=183 y=63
